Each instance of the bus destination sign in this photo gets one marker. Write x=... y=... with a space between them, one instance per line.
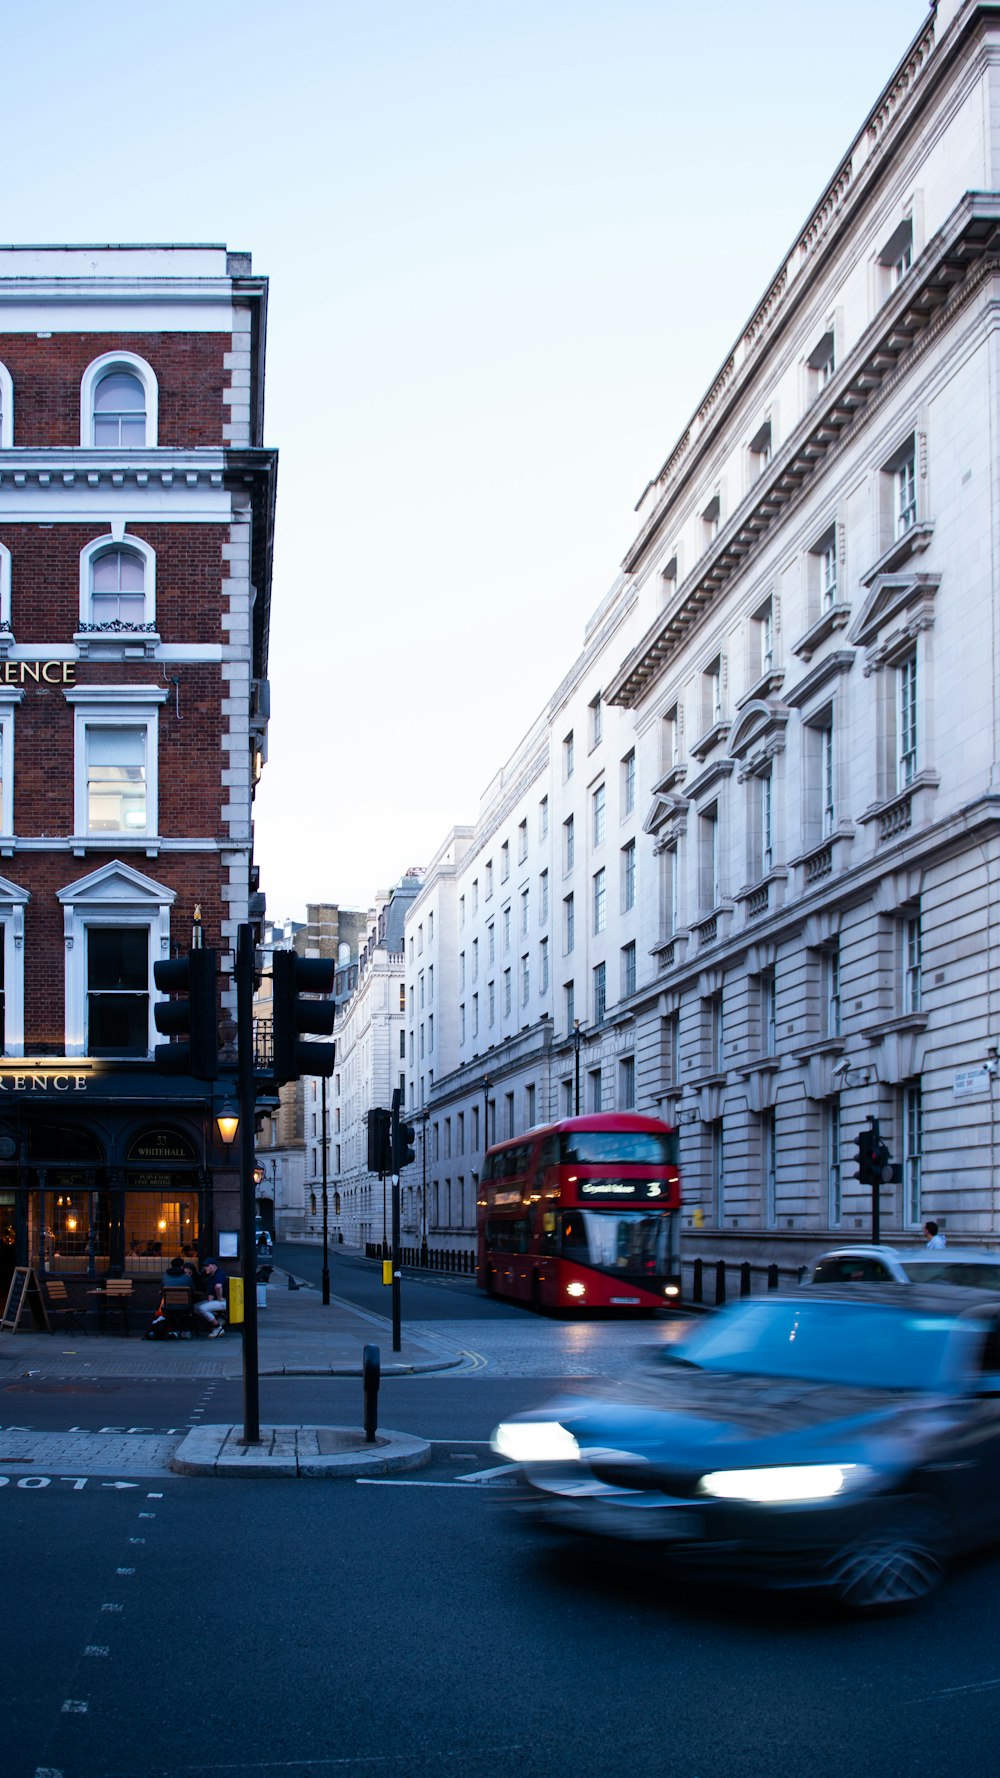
x=618 y=1191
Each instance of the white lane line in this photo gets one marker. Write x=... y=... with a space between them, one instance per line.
x=374 y=1481
x=96 y=1649
x=953 y=1691
x=486 y=1475
x=75 y=1707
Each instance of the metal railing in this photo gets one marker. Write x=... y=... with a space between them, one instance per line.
x=426 y=1259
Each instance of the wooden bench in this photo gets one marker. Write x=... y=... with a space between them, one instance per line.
x=178 y=1307
x=61 y=1307
x=115 y=1295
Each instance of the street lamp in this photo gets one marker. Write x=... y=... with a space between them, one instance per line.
x=326 y=1207
x=423 y=1187
x=227 y=1122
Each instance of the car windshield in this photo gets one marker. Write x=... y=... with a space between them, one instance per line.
x=864 y=1345
x=978 y=1274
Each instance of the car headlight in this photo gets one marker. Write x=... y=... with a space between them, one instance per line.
x=535 y=1441
x=779 y=1486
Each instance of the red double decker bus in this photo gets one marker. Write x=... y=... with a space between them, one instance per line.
x=583 y=1214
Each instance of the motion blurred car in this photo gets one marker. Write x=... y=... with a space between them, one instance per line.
x=843 y=1440
x=973 y=1267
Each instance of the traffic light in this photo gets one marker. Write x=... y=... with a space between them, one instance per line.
x=866 y=1142
x=292 y=978
x=403 y=1138
x=194 y=1019
x=379 y=1141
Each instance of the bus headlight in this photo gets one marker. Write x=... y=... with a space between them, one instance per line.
x=671 y=1290
x=576 y=1289
x=535 y=1441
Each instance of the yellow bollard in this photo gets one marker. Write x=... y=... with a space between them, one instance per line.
x=235 y=1301
x=387 y=1271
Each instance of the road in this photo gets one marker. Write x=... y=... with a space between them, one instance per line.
x=353 y=1630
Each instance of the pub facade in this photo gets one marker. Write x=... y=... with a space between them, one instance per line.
x=136 y=524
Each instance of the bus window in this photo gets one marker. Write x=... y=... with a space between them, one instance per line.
x=547 y=1239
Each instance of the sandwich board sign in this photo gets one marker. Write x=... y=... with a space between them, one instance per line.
x=24 y=1293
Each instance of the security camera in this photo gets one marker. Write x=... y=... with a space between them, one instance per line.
x=992 y=1065
x=842 y=1068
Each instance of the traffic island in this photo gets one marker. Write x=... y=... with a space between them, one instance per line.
x=333 y=1452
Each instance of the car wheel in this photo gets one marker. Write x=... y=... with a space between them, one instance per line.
x=896 y=1565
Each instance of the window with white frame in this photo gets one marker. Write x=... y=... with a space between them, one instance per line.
x=711 y=681
x=597 y=806
x=522 y=841
x=628 y=969
x=821 y=363
x=596 y=1089
x=6 y=409
x=488 y=880
x=543 y=897
x=569 y=924
x=760 y=451
x=13 y=901
x=628 y=876
x=911 y=963
x=525 y=911
x=769 y=1167
x=768 y=990
x=824 y=555
x=491 y=1003
x=913 y=1141
x=569 y=845
x=896 y=256
x=116 y=924
x=475 y=1015
x=569 y=1004
x=9 y=699
x=505 y=861
x=525 y=980
x=669 y=892
x=670 y=739
x=717 y=1033
x=543 y=966
x=506 y=993
x=115 y=754
x=491 y=941
x=834 y=1181
x=906 y=721
x=628 y=784
x=543 y=818
x=475 y=959
x=762 y=637
x=118 y=403
x=717 y=1180
x=596 y=720
x=709 y=887
x=831 y=991
x=505 y=928
x=600 y=901
x=568 y=755
x=898 y=493
x=626 y=1083
x=710 y=520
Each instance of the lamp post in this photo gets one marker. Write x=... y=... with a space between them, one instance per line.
x=576 y=1067
x=486 y=1113
x=423 y=1187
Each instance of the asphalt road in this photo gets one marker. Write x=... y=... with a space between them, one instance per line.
x=295 y=1629
x=425 y=1296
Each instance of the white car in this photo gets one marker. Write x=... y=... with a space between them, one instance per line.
x=977 y=1267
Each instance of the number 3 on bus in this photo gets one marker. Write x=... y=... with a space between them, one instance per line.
x=583 y=1214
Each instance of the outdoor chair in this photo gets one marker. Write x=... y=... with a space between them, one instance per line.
x=61 y=1307
x=115 y=1296
x=178 y=1300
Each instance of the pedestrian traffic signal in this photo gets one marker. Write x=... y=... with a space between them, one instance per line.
x=292 y=979
x=379 y=1141
x=194 y=1019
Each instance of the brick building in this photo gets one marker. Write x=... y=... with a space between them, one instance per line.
x=136 y=519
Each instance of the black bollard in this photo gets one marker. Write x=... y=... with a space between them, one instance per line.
x=371 y=1371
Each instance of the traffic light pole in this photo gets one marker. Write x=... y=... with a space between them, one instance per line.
x=876 y=1186
x=326 y=1217
x=396 y=1304
x=247 y=1101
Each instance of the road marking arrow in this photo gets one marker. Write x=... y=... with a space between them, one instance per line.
x=119 y=1484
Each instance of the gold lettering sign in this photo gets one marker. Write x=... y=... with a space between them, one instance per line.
x=38 y=672
x=43 y=1083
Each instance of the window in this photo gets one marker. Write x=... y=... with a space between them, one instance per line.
x=568 y=755
x=768 y=990
x=6 y=409
x=569 y=1003
x=116 y=779
x=525 y=911
x=569 y=845
x=831 y=991
x=491 y=940
x=594 y=1080
x=461 y=911
x=529 y=1107
x=118 y=403
x=430 y=983
x=475 y=1015
x=824 y=569
x=596 y=720
x=760 y=451
x=712 y=693
x=118 y=589
x=505 y=928
x=911 y=964
x=906 y=721
x=117 y=991
x=670 y=739
x=769 y=1166
x=716 y=1034
x=525 y=981
x=505 y=861
x=600 y=901
x=765 y=791
x=708 y=859
x=710 y=519
x=491 y=1003
x=430 y=929
x=543 y=966
x=461 y=1024
x=628 y=876
x=402 y=1050
x=762 y=638
x=717 y=1172
x=597 y=804
x=628 y=970
x=628 y=783
x=906 y=493
x=506 y=993
x=834 y=1184
x=912 y=1155
x=896 y=256
x=569 y=924
x=543 y=818
x=475 y=895
x=461 y=970
x=543 y=898
x=626 y=1083
x=522 y=841
x=488 y=879
x=669 y=892
x=821 y=363
x=829 y=810
x=475 y=959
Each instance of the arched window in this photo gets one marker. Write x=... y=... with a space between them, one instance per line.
x=118 y=403
x=119 y=410
x=118 y=588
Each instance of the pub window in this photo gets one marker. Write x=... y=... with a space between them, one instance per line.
x=117 y=991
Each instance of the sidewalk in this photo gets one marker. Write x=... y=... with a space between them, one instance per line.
x=297 y=1337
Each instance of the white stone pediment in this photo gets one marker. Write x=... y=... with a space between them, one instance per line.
x=116 y=884
x=891 y=596
x=761 y=721
x=662 y=811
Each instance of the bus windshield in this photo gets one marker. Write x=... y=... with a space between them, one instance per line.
x=641 y=1148
x=616 y=1240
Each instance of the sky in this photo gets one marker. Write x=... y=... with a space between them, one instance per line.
x=509 y=245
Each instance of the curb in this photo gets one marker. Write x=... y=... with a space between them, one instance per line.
x=295 y=1451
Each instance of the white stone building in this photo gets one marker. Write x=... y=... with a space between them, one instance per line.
x=752 y=845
